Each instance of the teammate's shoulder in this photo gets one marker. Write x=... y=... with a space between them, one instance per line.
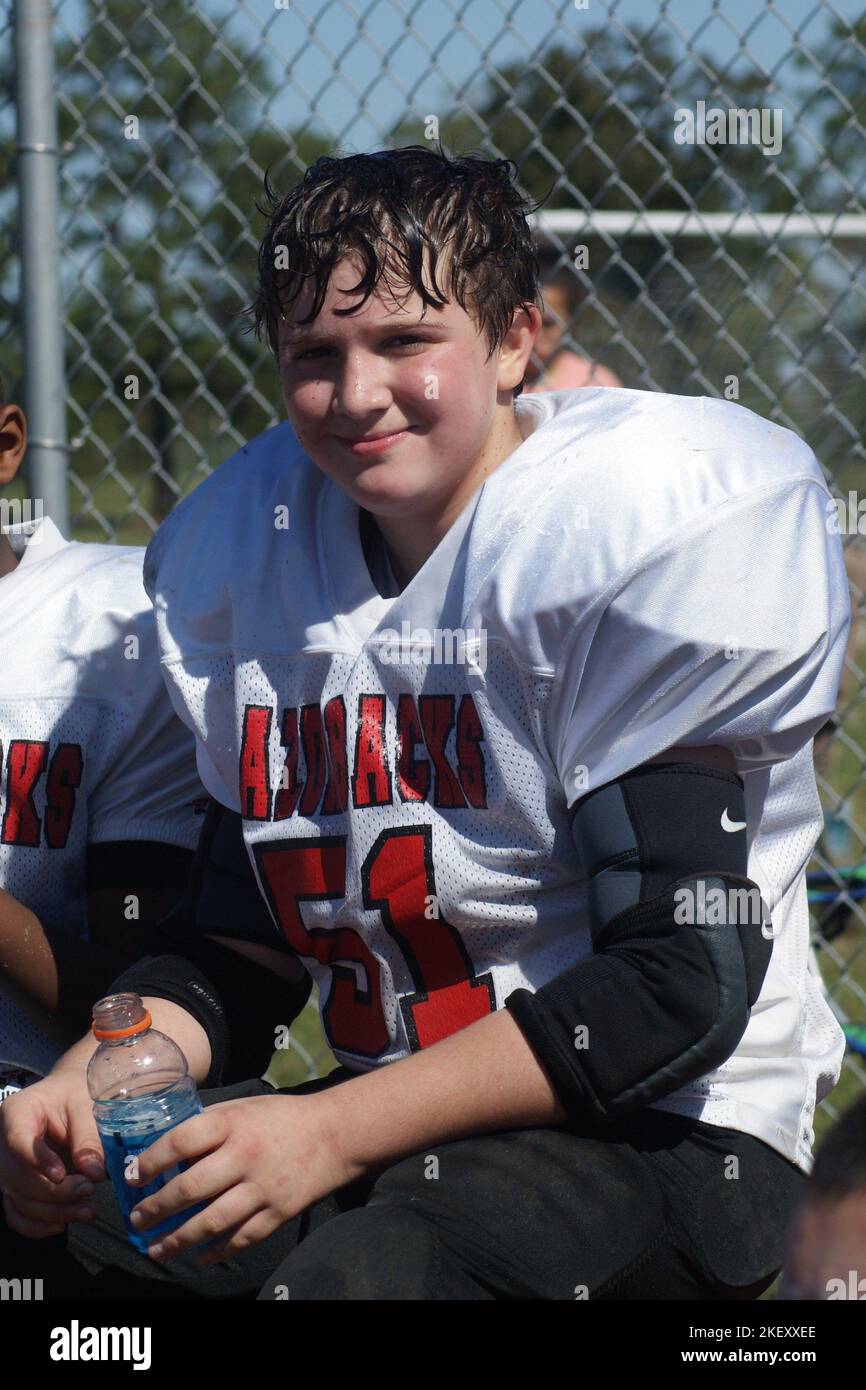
x=83 y=575
x=78 y=622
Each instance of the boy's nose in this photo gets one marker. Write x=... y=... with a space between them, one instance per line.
x=362 y=386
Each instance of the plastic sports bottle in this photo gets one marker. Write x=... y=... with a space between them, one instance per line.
x=140 y=1087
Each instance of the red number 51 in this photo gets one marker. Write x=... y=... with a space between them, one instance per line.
x=397 y=879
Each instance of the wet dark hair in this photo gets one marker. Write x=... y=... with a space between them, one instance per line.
x=387 y=208
x=840 y=1159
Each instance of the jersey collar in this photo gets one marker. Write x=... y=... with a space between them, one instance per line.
x=358 y=605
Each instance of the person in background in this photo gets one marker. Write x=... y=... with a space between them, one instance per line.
x=827 y=1256
x=553 y=366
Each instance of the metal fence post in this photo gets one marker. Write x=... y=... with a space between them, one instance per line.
x=41 y=313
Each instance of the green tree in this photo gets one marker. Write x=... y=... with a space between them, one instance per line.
x=166 y=150
x=593 y=127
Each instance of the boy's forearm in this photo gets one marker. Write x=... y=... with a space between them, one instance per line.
x=167 y=1018
x=55 y=970
x=26 y=957
x=484 y=1078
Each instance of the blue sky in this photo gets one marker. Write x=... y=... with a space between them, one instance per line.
x=385 y=63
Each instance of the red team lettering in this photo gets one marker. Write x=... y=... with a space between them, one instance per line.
x=26 y=761
x=397 y=880
x=397 y=877
x=321 y=737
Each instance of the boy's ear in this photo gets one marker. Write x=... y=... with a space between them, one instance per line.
x=13 y=441
x=516 y=347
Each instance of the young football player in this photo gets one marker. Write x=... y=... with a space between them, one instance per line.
x=513 y=698
x=100 y=802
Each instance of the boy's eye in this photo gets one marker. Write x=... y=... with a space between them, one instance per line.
x=309 y=353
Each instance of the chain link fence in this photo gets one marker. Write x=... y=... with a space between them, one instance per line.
x=703 y=170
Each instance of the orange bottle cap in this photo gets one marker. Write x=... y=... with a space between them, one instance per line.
x=140 y=1027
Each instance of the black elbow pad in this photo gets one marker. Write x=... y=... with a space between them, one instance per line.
x=681 y=943
x=178 y=980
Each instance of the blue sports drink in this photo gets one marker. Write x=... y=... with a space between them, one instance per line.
x=140 y=1087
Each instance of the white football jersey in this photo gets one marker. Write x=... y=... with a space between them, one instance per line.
x=90 y=748
x=643 y=571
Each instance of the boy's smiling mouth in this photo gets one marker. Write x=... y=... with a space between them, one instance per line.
x=374 y=443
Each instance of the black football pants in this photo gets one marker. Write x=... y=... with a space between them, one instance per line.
x=653 y=1207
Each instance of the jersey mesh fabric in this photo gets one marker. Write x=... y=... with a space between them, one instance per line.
x=590 y=648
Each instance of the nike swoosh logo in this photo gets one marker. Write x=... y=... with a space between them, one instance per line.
x=731 y=825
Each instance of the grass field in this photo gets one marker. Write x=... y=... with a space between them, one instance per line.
x=308 y=1055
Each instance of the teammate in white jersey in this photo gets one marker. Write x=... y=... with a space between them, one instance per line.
x=514 y=700
x=100 y=802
